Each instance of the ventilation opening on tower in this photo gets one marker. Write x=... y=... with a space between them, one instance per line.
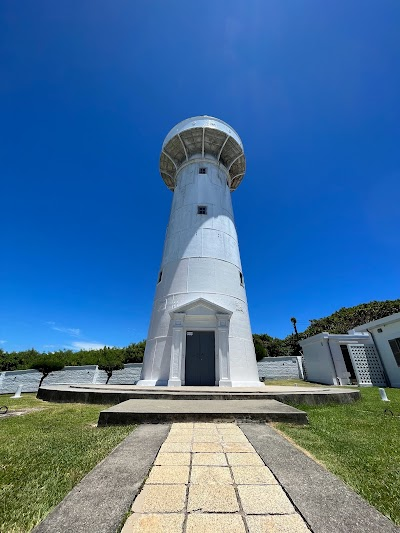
x=201 y=209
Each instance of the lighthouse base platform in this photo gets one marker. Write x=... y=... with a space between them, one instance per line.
x=135 y=404
x=113 y=394
x=156 y=411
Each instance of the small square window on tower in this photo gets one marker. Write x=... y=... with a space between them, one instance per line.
x=203 y=170
x=201 y=209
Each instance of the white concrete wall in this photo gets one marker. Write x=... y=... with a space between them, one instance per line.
x=318 y=361
x=29 y=379
x=280 y=368
x=201 y=260
x=389 y=332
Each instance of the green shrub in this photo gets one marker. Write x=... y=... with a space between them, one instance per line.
x=259 y=347
x=110 y=360
x=47 y=364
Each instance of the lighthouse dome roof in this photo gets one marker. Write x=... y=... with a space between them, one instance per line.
x=202 y=136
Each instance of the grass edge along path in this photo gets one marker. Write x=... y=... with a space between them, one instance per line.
x=359 y=444
x=44 y=454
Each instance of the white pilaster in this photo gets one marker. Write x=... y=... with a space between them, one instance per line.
x=175 y=369
x=223 y=349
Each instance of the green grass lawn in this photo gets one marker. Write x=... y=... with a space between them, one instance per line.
x=358 y=443
x=44 y=454
x=293 y=383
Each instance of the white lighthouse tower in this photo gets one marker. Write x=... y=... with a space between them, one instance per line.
x=200 y=331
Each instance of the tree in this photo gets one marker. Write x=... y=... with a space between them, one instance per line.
x=110 y=359
x=296 y=349
x=274 y=347
x=47 y=364
x=259 y=347
x=134 y=352
x=293 y=320
x=348 y=318
x=17 y=360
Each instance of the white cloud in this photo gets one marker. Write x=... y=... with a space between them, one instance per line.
x=2 y=341
x=74 y=332
x=86 y=346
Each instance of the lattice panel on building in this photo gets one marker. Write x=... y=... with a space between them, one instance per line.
x=367 y=365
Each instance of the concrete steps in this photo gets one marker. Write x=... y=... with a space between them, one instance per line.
x=156 y=411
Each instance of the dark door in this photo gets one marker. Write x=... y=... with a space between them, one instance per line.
x=200 y=358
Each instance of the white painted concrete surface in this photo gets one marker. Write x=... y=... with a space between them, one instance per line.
x=280 y=368
x=318 y=361
x=201 y=284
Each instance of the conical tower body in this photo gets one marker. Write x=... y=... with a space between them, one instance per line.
x=200 y=332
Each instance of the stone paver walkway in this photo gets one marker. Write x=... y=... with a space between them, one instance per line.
x=207 y=477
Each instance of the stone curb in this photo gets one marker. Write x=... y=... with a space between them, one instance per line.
x=100 y=501
x=324 y=501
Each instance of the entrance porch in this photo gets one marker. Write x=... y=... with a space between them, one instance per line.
x=200 y=345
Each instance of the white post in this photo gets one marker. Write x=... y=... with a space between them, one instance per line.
x=96 y=373
x=18 y=393
x=384 y=398
x=300 y=365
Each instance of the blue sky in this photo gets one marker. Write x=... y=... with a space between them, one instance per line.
x=88 y=91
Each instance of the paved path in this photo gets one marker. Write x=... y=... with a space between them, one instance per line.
x=207 y=477
x=212 y=477
x=326 y=503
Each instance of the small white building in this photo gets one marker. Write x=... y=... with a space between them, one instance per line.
x=385 y=333
x=368 y=355
x=342 y=359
